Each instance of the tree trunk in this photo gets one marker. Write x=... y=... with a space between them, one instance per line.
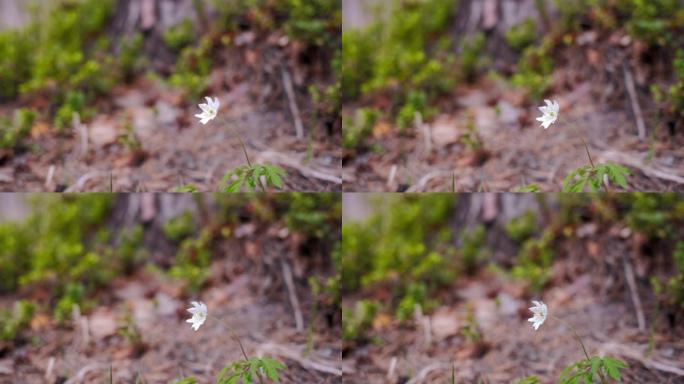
x=494 y=18
x=152 y=18
x=494 y=211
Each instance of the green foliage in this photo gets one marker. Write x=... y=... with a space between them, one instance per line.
x=400 y=54
x=192 y=261
x=187 y=188
x=180 y=227
x=673 y=95
x=356 y=129
x=591 y=177
x=131 y=251
x=12 y=322
x=416 y=102
x=534 y=69
x=529 y=188
x=522 y=227
x=74 y=103
x=315 y=22
x=247 y=371
x=534 y=261
x=356 y=321
x=249 y=176
x=408 y=248
x=13 y=131
x=73 y=295
x=473 y=248
x=192 y=68
x=522 y=35
x=529 y=380
x=584 y=371
x=131 y=60
x=472 y=59
x=180 y=35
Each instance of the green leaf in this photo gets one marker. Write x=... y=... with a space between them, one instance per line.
x=271 y=367
x=613 y=366
x=595 y=365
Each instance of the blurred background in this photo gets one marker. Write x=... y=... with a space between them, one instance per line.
x=436 y=285
x=93 y=88
x=442 y=90
x=94 y=285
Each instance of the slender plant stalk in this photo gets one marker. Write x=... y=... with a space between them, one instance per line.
x=586 y=148
x=242 y=348
x=244 y=150
x=579 y=339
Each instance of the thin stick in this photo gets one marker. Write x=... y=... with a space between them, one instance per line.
x=292 y=293
x=586 y=148
x=289 y=91
x=631 y=282
x=636 y=108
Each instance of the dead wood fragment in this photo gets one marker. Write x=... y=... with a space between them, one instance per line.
x=292 y=294
x=294 y=108
x=636 y=162
x=636 y=352
x=310 y=361
x=636 y=108
x=631 y=282
x=313 y=171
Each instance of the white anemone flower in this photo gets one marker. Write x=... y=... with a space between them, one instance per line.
x=209 y=110
x=199 y=314
x=549 y=113
x=539 y=310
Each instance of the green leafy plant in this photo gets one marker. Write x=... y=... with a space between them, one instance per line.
x=355 y=321
x=13 y=131
x=591 y=177
x=246 y=371
x=529 y=380
x=356 y=129
x=586 y=370
x=249 y=176
x=533 y=262
x=12 y=322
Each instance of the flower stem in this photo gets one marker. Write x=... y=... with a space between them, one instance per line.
x=237 y=339
x=586 y=148
x=244 y=150
x=579 y=339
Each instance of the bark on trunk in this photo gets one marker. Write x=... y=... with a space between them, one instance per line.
x=494 y=210
x=494 y=18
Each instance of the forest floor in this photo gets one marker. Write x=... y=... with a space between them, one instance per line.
x=503 y=347
x=516 y=150
x=138 y=330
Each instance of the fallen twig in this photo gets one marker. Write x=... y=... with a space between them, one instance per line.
x=636 y=108
x=296 y=354
x=81 y=182
x=629 y=276
x=423 y=374
x=318 y=172
x=635 y=162
x=292 y=294
x=289 y=91
x=636 y=352
x=422 y=183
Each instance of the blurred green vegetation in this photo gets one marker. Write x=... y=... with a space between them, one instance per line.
x=411 y=251
x=66 y=55
x=69 y=247
x=407 y=56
